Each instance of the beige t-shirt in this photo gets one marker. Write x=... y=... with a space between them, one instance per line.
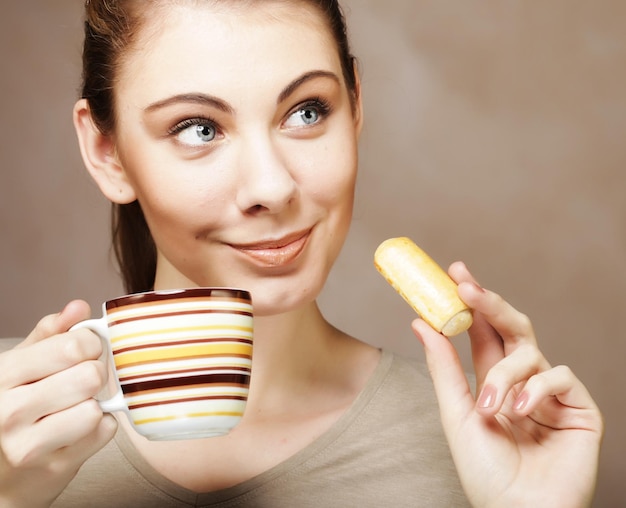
x=387 y=450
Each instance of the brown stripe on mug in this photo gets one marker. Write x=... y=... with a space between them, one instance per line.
x=223 y=294
x=182 y=313
x=189 y=399
x=187 y=381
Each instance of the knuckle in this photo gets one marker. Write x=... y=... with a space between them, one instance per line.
x=12 y=413
x=91 y=413
x=91 y=377
x=500 y=375
x=45 y=325
x=525 y=325
x=81 y=346
x=564 y=371
x=17 y=453
x=12 y=457
x=73 y=350
x=533 y=356
x=15 y=459
x=539 y=383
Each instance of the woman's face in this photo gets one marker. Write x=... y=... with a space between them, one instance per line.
x=237 y=133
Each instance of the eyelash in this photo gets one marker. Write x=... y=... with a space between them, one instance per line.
x=191 y=122
x=322 y=105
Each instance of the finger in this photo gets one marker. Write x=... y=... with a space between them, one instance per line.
x=63 y=462
x=486 y=344
x=30 y=403
x=451 y=385
x=34 y=444
x=84 y=448
x=66 y=427
x=53 y=324
x=511 y=325
x=516 y=368
x=559 y=384
x=460 y=273
x=25 y=365
x=506 y=320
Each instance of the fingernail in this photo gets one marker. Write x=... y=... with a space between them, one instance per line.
x=521 y=402
x=487 y=397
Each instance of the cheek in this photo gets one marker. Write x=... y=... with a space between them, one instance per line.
x=332 y=179
x=177 y=203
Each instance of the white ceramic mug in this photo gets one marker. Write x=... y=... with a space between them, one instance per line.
x=182 y=359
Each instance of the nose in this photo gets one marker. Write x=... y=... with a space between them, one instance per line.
x=266 y=183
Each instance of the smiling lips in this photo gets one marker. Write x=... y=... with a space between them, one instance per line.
x=276 y=252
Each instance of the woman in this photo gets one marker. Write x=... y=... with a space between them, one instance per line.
x=225 y=133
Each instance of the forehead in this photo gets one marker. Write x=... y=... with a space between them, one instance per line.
x=226 y=46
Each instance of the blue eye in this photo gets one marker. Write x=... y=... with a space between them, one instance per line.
x=195 y=132
x=308 y=114
x=205 y=132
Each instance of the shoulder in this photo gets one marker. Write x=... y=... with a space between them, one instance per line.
x=408 y=368
x=414 y=375
x=399 y=398
x=407 y=377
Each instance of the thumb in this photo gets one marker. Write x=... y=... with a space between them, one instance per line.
x=53 y=324
x=449 y=380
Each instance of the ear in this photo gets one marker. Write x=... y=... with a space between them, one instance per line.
x=358 y=100
x=100 y=157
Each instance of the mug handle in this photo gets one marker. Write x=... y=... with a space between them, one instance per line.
x=101 y=328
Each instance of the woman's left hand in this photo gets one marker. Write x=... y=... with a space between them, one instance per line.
x=532 y=435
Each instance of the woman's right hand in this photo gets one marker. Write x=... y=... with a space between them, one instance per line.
x=50 y=422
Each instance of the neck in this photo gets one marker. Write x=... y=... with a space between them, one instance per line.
x=290 y=350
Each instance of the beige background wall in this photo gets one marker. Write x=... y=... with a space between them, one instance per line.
x=494 y=134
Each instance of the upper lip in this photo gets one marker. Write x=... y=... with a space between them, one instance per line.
x=272 y=243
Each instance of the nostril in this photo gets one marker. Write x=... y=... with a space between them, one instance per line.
x=255 y=209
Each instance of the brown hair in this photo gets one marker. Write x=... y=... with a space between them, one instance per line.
x=111 y=26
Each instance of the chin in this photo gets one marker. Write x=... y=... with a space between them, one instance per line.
x=279 y=298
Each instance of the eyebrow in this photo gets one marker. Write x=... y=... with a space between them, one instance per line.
x=210 y=100
x=193 y=98
x=307 y=76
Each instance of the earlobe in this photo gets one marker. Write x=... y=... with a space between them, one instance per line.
x=100 y=157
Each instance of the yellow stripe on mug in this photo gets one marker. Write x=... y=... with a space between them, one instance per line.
x=179 y=349
x=161 y=354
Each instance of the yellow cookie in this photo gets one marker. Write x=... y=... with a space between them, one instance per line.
x=423 y=284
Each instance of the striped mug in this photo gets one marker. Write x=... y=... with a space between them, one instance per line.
x=182 y=359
